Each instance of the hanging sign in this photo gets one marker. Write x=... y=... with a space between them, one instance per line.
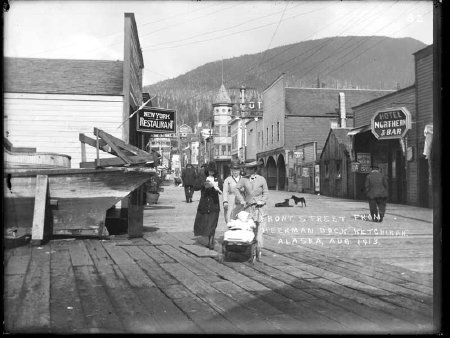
x=156 y=120
x=392 y=123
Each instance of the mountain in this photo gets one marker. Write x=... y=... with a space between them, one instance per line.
x=368 y=62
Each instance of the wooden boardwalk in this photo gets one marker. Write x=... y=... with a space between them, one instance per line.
x=155 y=285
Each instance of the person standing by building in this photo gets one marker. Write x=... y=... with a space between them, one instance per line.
x=255 y=192
x=208 y=209
x=189 y=176
x=229 y=197
x=377 y=192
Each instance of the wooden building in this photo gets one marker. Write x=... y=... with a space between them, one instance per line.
x=405 y=158
x=395 y=155
x=302 y=169
x=48 y=102
x=424 y=124
x=335 y=164
x=296 y=116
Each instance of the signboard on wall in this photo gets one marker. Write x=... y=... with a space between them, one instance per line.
x=305 y=172
x=298 y=153
x=355 y=167
x=392 y=123
x=156 y=120
x=317 y=178
x=365 y=162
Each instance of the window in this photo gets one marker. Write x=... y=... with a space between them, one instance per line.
x=272 y=133
x=229 y=149
x=216 y=150
x=327 y=169
x=338 y=169
x=259 y=142
x=229 y=131
x=267 y=133
x=224 y=150
x=223 y=130
x=278 y=131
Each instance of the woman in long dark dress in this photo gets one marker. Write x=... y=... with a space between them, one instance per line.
x=209 y=206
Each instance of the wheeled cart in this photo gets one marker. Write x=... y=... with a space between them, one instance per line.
x=241 y=247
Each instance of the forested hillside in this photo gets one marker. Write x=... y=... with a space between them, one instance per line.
x=338 y=62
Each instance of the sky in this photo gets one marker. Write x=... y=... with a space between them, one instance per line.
x=179 y=36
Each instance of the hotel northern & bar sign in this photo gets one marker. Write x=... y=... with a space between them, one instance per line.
x=156 y=120
x=391 y=123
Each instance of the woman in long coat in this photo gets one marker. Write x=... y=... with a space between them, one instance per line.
x=209 y=206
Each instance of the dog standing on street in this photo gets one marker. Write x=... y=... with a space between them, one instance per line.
x=299 y=199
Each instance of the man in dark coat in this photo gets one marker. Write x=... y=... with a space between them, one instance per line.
x=377 y=192
x=189 y=176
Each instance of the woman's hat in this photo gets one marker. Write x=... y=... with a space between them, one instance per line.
x=211 y=166
x=235 y=165
x=252 y=163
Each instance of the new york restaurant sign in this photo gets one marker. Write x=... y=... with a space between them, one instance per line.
x=156 y=120
x=391 y=123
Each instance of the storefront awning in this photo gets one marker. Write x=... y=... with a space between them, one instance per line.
x=359 y=130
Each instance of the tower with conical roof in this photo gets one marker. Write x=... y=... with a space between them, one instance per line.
x=220 y=150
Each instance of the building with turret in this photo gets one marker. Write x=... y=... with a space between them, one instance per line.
x=221 y=138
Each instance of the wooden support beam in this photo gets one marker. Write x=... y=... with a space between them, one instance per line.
x=42 y=217
x=93 y=143
x=112 y=144
x=83 y=152
x=119 y=143
x=136 y=213
x=112 y=162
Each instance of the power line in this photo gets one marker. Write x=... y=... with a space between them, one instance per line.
x=349 y=52
x=369 y=48
x=273 y=35
x=216 y=31
x=234 y=33
x=289 y=48
x=329 y=41
x=119 y=33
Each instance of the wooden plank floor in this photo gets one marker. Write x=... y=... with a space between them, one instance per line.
x=153 y=285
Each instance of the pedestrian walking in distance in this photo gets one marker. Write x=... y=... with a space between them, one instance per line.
x=229 y=197
x=208 y=209
x=377 y=192
x=189 y=176
x=255 y=191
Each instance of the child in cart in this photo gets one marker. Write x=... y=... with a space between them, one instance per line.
x=240 y=229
